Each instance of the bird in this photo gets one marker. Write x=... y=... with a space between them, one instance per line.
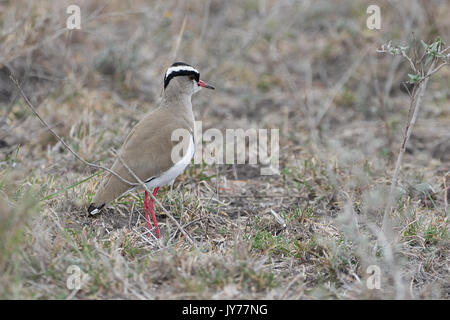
x=147 y=150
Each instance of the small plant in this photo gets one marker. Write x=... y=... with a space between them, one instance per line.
x=430 y=60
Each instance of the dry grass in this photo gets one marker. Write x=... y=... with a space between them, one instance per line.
x=309 y=68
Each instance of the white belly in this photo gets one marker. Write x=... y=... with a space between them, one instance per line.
x=169 y=176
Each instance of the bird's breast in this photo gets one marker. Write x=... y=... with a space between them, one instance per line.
x=167 y=177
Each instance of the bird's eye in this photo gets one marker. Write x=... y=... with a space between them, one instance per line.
x=191 y=77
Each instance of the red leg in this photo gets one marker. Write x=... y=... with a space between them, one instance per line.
x=146 y=207
x=152 y=212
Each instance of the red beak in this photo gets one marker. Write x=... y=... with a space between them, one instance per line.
x=205 y=85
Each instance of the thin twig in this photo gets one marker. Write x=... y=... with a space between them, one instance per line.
x=411 y=64
x=33 y=109
x=205 y=19
x=446 y=191
x=414 y=107
x=436 y=69
x=178 y=42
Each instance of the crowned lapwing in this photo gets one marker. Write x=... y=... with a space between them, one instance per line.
x=147 y=150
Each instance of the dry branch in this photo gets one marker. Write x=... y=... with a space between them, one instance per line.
x=415 y=103
x=33 y=109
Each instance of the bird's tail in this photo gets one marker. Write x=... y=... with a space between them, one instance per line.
x=95 y=208
x=111 y=189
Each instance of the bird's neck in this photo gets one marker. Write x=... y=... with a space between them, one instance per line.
x=180 y=105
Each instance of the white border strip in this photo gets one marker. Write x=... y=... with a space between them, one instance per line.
x=180 y=68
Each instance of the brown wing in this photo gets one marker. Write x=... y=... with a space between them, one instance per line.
x=147 y=152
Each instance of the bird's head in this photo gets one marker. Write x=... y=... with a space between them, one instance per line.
x=183 y=78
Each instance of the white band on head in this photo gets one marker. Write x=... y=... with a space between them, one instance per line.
x=180 y=68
